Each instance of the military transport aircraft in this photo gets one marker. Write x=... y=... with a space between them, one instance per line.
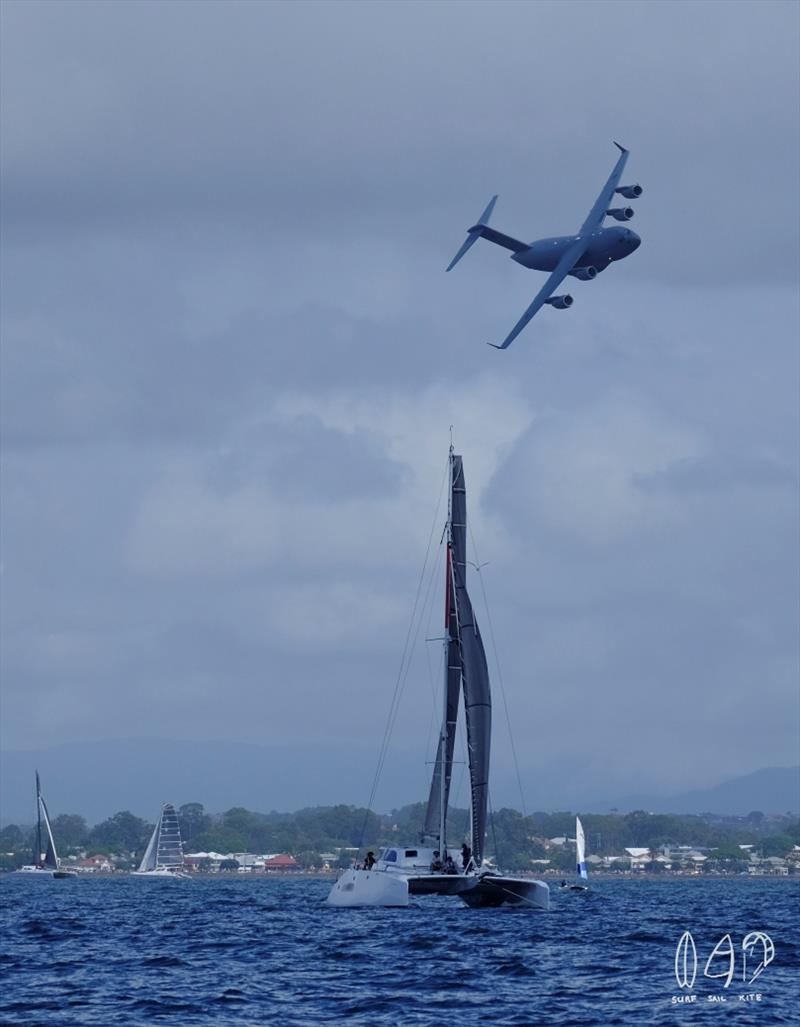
x=583 y=255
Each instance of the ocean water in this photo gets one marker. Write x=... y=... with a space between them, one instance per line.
x=126 y=951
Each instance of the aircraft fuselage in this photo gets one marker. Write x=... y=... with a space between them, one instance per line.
x=603 y=246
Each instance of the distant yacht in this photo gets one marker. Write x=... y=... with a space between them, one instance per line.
x=581 y=876
x=45 y=861
x=433 y=868
x=163 y=857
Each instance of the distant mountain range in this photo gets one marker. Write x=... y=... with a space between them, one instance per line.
x=96 y=779
x=770 y=790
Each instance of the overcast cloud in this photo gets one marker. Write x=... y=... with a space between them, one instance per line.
x=231 y=359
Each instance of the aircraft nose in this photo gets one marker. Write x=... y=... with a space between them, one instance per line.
x=634 y=241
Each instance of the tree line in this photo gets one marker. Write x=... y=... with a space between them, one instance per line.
x=513 y=838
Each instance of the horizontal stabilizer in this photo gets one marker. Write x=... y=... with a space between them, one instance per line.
x=471 y=238
x=474 y=233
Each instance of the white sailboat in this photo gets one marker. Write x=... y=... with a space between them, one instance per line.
x=433 y=868
x=163 y=857
x=45 y=863
x=581 y=875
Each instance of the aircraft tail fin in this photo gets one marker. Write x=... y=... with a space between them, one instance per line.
x=474 y=233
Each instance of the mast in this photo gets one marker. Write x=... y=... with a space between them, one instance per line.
x=38 y=855
x=436 y=813
x=448 y=583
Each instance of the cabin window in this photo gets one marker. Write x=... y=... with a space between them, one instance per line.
x=391 y=856
x=410 y=853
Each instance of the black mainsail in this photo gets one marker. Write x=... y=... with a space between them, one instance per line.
x=466 y=668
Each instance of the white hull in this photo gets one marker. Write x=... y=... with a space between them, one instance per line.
x=42 y=873
x=390 y=888
x=369 y=888
x=161 y=873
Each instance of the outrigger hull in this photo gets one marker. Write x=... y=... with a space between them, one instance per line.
x=490 y=891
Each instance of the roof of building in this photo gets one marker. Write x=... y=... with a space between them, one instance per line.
x=281 y=861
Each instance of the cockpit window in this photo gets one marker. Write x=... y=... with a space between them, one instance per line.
x=390 y=856
x=410 y=853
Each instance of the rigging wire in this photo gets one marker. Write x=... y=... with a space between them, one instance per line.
x=414 y=643
x=494 y=829
x=402 y=673
x=478 y=566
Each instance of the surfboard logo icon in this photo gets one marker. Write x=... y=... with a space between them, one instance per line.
x=686 y=961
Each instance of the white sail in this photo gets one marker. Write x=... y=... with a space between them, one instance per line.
x=149 y=858
x=580 y=846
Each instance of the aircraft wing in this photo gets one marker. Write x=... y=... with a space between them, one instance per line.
x=563 y=268
x=598 y=211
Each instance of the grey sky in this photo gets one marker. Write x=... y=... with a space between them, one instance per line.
x=231 y=358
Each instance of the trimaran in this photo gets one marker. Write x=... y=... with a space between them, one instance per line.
x=45 y=863
x=423 y=870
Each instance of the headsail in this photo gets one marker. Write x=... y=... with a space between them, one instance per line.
x=43 y=856
x=149 y=858
x=447 y=737
x=50 y=855
x=580 y=850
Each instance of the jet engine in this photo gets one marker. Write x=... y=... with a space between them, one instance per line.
x=584 y=274
x=560 y=302
x=621 y=213
x=630 y=192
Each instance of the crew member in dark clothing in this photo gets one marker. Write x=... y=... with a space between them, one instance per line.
x=466 y=856
x=449 y=865
x=436 y=864
x=370 y=861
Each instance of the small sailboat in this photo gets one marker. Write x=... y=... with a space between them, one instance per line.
x=45 y=863
x=433 y=868
x=163 y=857
x=581 y=875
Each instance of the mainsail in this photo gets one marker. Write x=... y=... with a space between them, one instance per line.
x=466 y=666
x=580 y=850
x=164 y=850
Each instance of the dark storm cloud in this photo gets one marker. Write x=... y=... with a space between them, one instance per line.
x=231 y=359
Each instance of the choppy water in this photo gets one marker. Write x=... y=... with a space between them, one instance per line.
x=127 y=951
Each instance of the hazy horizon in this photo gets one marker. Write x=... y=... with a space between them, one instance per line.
x=226 y=775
